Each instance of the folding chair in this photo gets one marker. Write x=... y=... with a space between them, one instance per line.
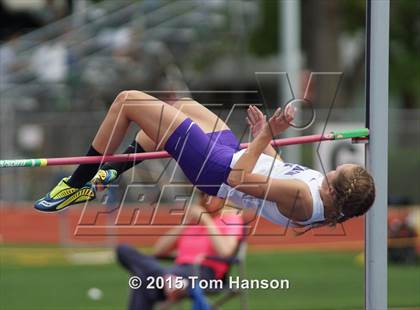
x=236 y=260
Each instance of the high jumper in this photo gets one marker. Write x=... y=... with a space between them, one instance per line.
x=209 y=155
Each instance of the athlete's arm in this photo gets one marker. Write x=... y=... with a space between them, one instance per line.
x=277 y=124
x=291 y=196
x=256 y=121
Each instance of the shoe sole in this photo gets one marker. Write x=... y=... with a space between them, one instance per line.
x=72 y=200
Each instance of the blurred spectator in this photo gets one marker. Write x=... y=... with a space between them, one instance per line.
x=49 y=61
x=402 y=245
x=53 y=10
x=8 y=60
x=213 y=237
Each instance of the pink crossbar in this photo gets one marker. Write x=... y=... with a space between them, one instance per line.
x=164 y=154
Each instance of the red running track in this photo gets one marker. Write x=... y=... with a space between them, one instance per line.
x=21 y=224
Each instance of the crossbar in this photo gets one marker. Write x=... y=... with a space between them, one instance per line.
x=43 y=162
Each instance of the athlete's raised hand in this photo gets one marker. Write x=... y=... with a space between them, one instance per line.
x=281 y=120
x=256 y=120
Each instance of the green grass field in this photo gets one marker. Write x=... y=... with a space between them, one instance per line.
x=44 y=278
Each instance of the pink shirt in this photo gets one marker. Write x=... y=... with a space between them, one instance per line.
x=195 y=241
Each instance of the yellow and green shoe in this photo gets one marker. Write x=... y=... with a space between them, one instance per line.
x=104 y=177
x=63 y=196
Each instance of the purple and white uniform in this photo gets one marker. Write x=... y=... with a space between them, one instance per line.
x=277 y=169
x=204 y=158
x=207 y=159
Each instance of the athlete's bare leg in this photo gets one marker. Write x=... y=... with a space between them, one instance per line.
x=156 y=118
x=203 y=117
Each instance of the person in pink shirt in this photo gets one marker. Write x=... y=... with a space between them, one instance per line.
x=210 y=232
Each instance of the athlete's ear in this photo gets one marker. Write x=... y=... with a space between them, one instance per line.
x=332 y=191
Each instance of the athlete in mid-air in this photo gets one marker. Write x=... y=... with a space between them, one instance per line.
x=208 y=153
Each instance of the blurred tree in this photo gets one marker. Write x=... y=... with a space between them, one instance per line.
x=404 y=45
x=322 y=23
x=320 y=30
x=16 y=22
x=264 y=38
x=405 y=51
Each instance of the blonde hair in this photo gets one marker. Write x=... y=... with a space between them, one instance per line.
x=354 y=195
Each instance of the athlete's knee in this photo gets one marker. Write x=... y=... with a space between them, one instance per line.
x=124 y=97
x=119 y=101
x=182 y=101
x=135 y=94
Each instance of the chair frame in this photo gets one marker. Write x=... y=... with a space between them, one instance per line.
x=237 y=259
